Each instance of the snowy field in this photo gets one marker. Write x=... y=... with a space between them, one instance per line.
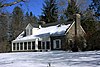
x=54 y=58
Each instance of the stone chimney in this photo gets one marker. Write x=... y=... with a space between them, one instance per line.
x=77 y=19
x=77 y=23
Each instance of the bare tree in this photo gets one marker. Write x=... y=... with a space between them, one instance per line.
x=63 y=4
x=10 y=4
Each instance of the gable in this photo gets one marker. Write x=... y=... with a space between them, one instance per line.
x=71 y=31
x=29 y=26
x=29 y=29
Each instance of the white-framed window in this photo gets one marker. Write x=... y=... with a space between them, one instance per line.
x=45 y=45
x=57 y=44
x=28 y=31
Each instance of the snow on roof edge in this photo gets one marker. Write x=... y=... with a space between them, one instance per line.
x=56 y=30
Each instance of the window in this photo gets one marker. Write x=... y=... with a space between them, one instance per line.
x=47 y=45
x=43 y=45
x=14 y=48
x=39 y=44
x=33 y=45
x=17 y=46
x=28 y=31
x=57 y=44
x=21 y=46
x=29 y=45
x=25 y=45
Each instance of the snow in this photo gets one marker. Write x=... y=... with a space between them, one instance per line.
x=54 y=58
x=31 y=37
x=51 y=30
x=21 y=35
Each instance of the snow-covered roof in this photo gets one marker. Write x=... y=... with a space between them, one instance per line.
x=53 y=30
x=31 y=37
x=45 y=32
x=21 y=35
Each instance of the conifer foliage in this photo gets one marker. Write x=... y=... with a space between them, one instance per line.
x=17 y=21
x=49 y=11
x=95 y=5
x=71 y=9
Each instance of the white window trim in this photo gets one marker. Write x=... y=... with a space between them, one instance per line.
x=28 y=31
x=54 y=42
x=45 y=45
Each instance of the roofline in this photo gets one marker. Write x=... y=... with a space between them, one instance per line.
x=17 y=41
x=29 y=24
x=82 y=29
x=70 y=27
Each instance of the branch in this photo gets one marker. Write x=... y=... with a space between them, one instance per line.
x=10 y=4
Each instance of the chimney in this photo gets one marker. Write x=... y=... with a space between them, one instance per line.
x=77 y=19
x=77 y=23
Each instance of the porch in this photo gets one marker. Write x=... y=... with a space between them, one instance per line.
x=32 y=45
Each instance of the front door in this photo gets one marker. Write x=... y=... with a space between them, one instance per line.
x=57 y=44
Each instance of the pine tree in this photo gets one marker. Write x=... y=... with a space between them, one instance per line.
x=95 y=5
x=17 y=21
x=49 y=11
x=71 y=9
x=30 y=18
x=89 y=25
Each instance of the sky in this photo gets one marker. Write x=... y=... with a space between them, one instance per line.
x=33 y=6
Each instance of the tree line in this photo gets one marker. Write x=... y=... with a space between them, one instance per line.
x=12 y=24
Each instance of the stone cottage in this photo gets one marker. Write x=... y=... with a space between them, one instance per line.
x=50 y=37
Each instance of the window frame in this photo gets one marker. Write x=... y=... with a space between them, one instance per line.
x=55 y=43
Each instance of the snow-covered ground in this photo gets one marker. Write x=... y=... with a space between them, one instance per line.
x=54 y=58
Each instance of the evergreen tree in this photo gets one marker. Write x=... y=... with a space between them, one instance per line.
x=10 y=4
x=95 y=5
x=4 y=44
x=88 y=22
x=49 y=11
x=17 y=21
x=71 y=9
x=89 y=25
x=30 y=18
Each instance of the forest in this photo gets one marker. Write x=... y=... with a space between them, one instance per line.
x=12 y=24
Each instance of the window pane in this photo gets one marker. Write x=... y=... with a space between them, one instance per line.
x=17 y=46
x=25 y=45
x=39 y=44
x=57 y=44
x=14 y=45
x=29 y=45
x=47 y=45
x=30 y=31
x=21 y=46
x=43 y=45
x=27 y=31
x=33 y=45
